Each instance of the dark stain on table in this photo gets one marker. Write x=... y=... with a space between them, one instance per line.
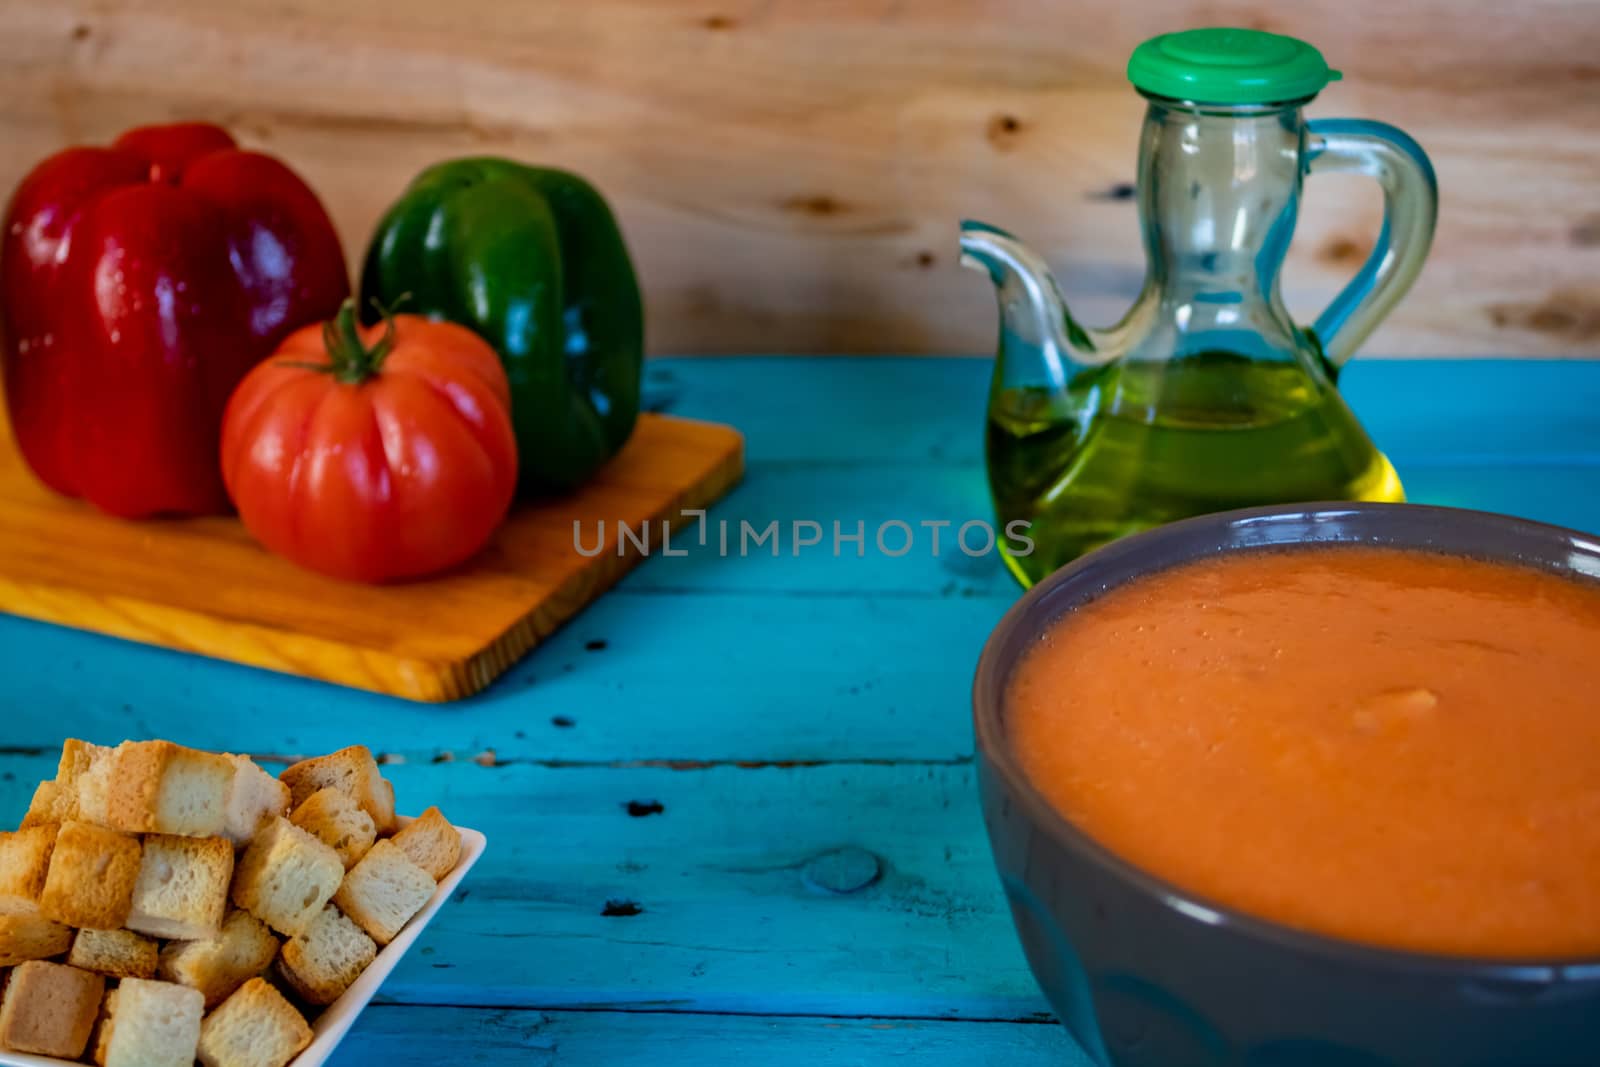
x=842 y=870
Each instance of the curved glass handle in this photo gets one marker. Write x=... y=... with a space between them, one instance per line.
x=1410 y=205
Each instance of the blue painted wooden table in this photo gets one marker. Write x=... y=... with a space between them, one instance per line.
x=730 y=808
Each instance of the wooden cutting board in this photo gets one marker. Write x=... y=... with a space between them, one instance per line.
x=203 y=586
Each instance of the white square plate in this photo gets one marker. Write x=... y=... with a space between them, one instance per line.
x=336 y=1020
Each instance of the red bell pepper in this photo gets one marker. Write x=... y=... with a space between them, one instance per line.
x=138 y=284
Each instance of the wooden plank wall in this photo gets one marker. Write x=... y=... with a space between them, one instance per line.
x=790 y=173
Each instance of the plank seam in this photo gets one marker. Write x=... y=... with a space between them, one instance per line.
x=489 y=761
x=1037 y=1018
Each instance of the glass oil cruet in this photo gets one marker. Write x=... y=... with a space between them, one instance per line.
x=1206 y=396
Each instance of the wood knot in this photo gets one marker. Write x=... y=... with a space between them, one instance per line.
x=719 y=23
x=843 y=870
x=620 y=909
x=1115 y=191
x=640 y=808
x=1004 y=132
x=80 y=32
x=1568 y=314
x=1342 y=251
x=820 y=205
x=1585 y=232
x=1553 y=318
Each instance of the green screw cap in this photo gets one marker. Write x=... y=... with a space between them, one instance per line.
x=1229 y=66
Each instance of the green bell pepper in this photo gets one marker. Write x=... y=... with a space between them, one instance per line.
x=531 y=260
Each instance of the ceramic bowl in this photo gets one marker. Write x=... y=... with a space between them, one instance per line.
x=1148 y=975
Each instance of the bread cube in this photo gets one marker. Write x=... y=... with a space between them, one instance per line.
x=383 y=892
x=91 y=878
x=254 y=796
x=338 y=822
x=49 y=1009
x=353 y=772
x=114 y=953
x=286 y=876
x=31 y=937
x=84 y=776
x=218 y=965
x=431 y=843
x=161 y=788
x=182 y=891
x=24 y=862
x=255 y=1027
x=76 y=758
x=50 y=804
x=326 y=960
x=149 y=1024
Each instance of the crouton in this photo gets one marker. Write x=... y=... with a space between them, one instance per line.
x=158 y=787
x=352 y=771
x=114 y=953
x=336 y=820
x=49 y=1009
x=326 y=960
x=255 y=1027
x=149 y=1024
x=242 y=949
x=50 y=804
x=254 y=796
x=431 y=843
x=286 y=876
x=84 y=775
x=24 y=862
x=383 y=892
x=182 y=891
x=91 y=878
x=31 y=937
x=77 y=759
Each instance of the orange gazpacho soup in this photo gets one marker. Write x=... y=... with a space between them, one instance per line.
x=1387 y=746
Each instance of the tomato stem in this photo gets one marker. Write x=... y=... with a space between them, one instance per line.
x=349 y=359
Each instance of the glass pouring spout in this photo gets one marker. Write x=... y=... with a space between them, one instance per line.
x=1034 y=320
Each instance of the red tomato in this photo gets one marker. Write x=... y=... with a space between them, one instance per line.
x=373 y=454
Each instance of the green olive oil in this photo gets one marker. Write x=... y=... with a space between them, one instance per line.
x=1136 y=444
